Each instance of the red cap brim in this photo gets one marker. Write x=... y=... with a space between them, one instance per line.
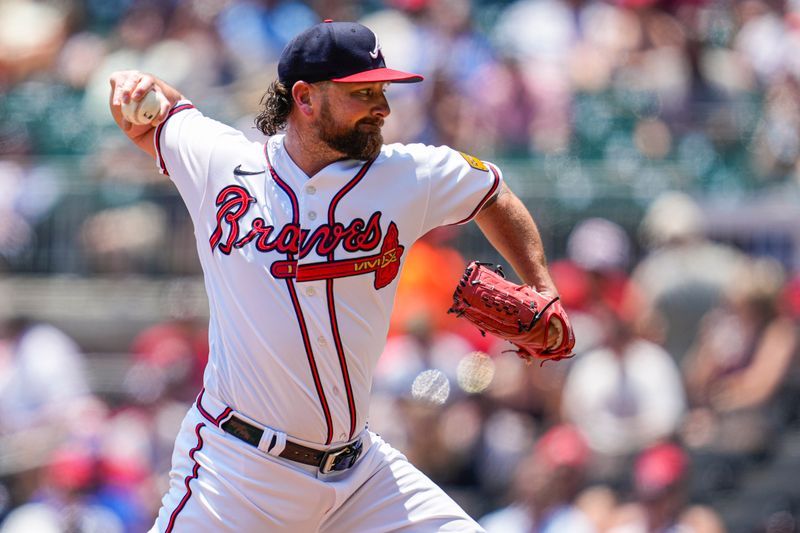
x=381 y=74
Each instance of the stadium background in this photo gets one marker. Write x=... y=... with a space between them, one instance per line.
x=655 y=142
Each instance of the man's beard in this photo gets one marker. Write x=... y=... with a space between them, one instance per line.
x=354 y=143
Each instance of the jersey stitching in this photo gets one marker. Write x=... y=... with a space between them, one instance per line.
x=337 y=338
x=193 y=475
x=296 y=304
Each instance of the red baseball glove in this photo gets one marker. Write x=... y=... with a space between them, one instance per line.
x=516 y=313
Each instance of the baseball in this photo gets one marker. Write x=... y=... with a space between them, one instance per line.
x=143 y=111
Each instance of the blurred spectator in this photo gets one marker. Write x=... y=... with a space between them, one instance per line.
x=165 y=376
x=538 y=36
x=445 y=439
x=500 y=458
x=508 y=110
x=776 y=142
x=623 y=395
x=169 y=357
x=661 y=480
x=684 y=273
x=545 y=487
x=599 y=253
x=44 y=395
x=20 y=210
x=458 y=51
x=67 y=499
x=590 y=281
x=129 y=458
x=31 y=34
x=742 y=357
x=256 y=32
x=42 y=376
x=599 y=245
x=761 y=38
x=455 y=57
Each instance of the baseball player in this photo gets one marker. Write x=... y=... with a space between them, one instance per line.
x=301 y=240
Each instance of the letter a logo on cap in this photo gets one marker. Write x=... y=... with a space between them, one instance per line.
x=345 y=52
x=377 y=50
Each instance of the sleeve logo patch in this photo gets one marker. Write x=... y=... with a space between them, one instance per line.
x=474 y=162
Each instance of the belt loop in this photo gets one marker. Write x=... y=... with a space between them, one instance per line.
x=272 y=442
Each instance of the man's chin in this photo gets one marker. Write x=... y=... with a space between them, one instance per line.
x=358 y=143
x=371 y=151
x=365 y=151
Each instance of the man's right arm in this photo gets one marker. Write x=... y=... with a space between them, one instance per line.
x=127 y=85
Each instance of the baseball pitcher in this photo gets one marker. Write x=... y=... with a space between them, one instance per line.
x=301 y=241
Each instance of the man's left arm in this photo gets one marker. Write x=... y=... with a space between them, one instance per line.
x=510 y=228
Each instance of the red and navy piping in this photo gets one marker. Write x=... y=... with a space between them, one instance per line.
x=193 y=475
x=216 y=421
x=485 y=199
x=177 y=109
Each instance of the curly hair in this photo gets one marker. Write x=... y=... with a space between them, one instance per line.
x=277 y=102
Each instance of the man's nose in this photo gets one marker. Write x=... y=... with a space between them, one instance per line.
x=381 y=109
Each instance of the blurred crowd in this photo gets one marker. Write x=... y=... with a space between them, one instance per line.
x=631 y=96
x=629 y=81
x=681 y=410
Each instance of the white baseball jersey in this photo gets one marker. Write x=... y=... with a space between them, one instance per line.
x=301 y=271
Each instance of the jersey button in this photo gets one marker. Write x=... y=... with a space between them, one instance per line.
x=342 y=436
x=336 y=391
x=310 y=291
x=312 y=215
x=321 y=341
x=311 y=189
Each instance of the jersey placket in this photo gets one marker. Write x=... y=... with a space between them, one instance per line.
x=312 y=204
x=293 y=294
x=329 y=287
x=318 y=207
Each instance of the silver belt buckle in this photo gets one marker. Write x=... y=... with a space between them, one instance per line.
x=329 y=461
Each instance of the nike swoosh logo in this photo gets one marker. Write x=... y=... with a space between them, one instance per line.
x=239 y=172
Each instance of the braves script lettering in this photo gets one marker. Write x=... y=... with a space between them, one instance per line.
x=234 y=201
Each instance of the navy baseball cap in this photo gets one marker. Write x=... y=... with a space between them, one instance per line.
x=337 y=51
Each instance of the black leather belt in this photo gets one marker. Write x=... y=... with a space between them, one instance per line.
x=333 y=460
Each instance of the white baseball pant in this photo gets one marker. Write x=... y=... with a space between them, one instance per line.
x=219 y=484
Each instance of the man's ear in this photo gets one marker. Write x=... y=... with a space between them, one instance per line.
x=301 y=94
